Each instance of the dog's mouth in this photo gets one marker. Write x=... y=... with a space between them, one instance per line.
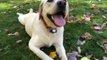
x=57 y=18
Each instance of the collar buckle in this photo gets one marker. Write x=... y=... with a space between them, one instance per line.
x=53 y=30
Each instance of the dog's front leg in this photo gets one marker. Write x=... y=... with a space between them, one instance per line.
x=33 y=47
x=61 y=51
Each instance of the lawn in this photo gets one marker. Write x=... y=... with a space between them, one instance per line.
x=10 y=49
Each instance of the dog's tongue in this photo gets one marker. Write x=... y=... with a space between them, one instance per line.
x=59 y=20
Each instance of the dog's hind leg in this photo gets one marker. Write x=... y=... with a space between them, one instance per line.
x=39 y=52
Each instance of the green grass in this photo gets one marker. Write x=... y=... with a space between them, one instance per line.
x=10 y=50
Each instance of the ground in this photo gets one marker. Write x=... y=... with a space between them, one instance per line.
x=10 y=49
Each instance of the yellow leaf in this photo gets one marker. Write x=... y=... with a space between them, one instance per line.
x=53 y=54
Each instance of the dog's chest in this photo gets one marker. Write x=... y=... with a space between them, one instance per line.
x=48 y=38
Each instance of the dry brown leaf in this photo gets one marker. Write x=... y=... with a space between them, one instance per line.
x=19 y=41
x=14 y=34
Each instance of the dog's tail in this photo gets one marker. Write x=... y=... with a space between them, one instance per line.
x=21 y=18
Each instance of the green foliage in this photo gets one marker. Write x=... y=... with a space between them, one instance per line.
x=10 y=50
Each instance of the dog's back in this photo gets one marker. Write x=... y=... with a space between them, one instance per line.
x=24 y=18
x=27 y=20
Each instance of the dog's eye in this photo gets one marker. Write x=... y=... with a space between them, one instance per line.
x=50 y=0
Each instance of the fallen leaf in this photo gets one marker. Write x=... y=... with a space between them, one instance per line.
x=104 y=16
x=16 y=7
x=19 y=41
x=85 y=58
x=14 y=34
x=10 y=34
x=81 y=42
x=105 y=45
x=104 y=25
x=104 y=58
x=87 y=17
x=90 y=56
x=53 y=54
x=96 y=59
x=73 y=55
x=7 y=30
x=83 y=37
x=72 y=19
x=79 y=49
x=86 y=35
x=97 y=27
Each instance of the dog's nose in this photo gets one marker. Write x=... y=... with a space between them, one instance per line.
x=61 y=4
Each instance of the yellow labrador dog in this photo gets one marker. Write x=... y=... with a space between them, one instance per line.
x=46 y=27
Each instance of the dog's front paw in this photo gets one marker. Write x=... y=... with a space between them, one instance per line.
x=48 y=59
x=63 y=58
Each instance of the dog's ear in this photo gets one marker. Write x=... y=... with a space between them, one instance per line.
x=40 y=11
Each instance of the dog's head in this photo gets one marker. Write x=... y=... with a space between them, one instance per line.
x=54 y=12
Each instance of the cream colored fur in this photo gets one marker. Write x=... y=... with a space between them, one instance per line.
x=40 y=35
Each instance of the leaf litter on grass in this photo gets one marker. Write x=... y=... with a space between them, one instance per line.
x=74 y=29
